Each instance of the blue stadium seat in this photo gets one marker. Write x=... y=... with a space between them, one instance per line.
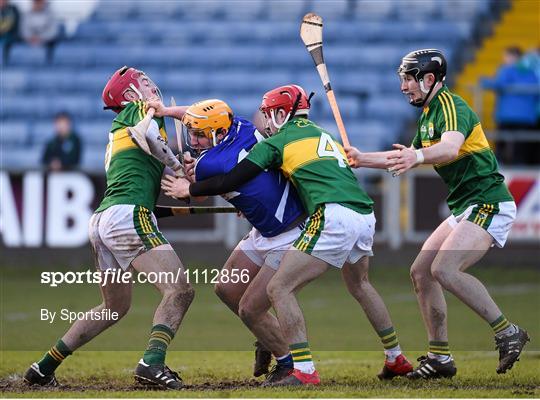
x=21 y=158
x=331 y=10
x=202 y=10
x=13 y=134
x=463 y=10
x=202 y=49
x=424 y=9
x=389 y=106
x=95 y=133
x=114 y=10
x=41 y=131
x=373 y=10
x=284 y=10
x=246 y=10
x=13 y=80
x=24 y=55
x=93 y=159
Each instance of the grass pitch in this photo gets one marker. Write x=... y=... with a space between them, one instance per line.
x=213 y=352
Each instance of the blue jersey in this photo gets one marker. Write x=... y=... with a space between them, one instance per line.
x=269 y=201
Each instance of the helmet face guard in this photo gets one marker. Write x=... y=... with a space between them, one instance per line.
x=291 y=98
x=419 y=63
x=128 y=80
x=206 y=119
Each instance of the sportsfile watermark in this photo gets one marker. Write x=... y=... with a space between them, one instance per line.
x=118 y=276
x=44 y=303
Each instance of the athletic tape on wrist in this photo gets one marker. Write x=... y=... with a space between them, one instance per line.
x=419 y=156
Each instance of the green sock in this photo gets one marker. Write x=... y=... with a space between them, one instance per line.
x=53 y=358
x=302 y=358
x=439 y=348
x=389 y=338
x=500 y=324
x=160 y=338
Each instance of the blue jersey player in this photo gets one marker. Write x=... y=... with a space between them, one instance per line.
x=269 y=202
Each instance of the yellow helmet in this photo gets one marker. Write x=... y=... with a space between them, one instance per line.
x=208 y=117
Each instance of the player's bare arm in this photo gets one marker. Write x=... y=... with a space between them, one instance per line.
x=159 y=149
x=358 y=159
x=163 y=111
x=408 y=157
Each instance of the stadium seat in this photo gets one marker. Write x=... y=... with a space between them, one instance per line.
x=21 y=158
x=331 y=10
x=42 y=130
x=286 y=10
x=373 y=10
x=244 y=10
x=13 y=134
x=13 y=80
x=382 y=106
x=95 y=133
x=24 y=55
x=93 y=159
x=419 y=8
x=202 y=49
x=114 y=10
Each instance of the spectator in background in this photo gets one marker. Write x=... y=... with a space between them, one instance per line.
x=63 y=151
x=517 y=101
x=39 y=27
x=9 y=27
x=531 y=61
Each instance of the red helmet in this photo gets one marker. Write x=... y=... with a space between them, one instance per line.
x=292 y=98
x=128 y=79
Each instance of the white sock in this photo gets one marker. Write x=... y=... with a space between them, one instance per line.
x=306 y=367
x=440 y=357
x=392 y=354
x=282 y=357
x=512 y=329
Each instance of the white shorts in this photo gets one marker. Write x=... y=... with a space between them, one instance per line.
x=122 y=232
x=268 y=250
x=496 y=219
x=337 y=234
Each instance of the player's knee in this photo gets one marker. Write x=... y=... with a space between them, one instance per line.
x=246 y=312
x=441 y=275
x=275 y=290
x=181 y=294
x=419 y=278
x=226 y=294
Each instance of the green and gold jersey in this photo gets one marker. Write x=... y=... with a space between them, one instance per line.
x=315 y=163
x=133 y=177
x=473 y=177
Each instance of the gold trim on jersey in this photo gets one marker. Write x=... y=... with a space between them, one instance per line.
x=475 y=142
x=449 y=111
x=299 y=153
x=121 y=140
x=428 y=143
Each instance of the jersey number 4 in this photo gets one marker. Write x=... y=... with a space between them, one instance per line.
x=328 y=148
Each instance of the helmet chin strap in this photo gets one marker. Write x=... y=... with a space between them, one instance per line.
x=273 y=116
x=427 y=92
x=132 y=86
x=214 y=138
